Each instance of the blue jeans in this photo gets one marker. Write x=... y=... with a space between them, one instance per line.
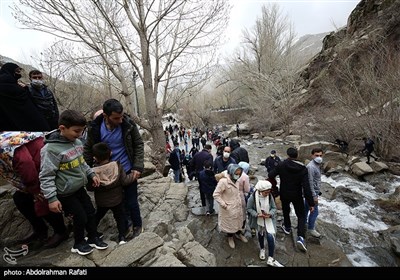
x=270 y=241
x=176 y=175
x=313 y=215
x=132 y=205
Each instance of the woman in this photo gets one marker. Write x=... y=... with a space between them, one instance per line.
x=262 y=215
x=227 y=194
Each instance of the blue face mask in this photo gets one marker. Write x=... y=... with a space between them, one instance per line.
x=318 y=160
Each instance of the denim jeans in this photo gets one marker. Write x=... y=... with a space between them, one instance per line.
x=312 y=217
x=176 y=175
x=270 y=241
x=132 y=205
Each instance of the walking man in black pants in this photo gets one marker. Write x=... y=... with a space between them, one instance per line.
x=294 y=182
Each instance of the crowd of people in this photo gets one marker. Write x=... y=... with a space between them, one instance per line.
x=53 y=171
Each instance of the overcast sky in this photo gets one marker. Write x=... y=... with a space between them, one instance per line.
x=308 y=17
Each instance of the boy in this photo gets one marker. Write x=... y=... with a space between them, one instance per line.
x=63 y=175
x=109 y=195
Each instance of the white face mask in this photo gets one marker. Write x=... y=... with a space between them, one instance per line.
x=318 y=160
x=226 y=154
x=235 y=177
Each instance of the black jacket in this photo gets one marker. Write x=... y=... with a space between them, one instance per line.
x=238 y=153
x=294 y=180
x=46 y=104
x=17 y=110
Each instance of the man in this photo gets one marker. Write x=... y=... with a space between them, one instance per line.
x=174 y=160
x=43 y=98
x=238 y=153
x=368 y=149
x=272 y=161
x=17 y=111
x=197 y=164
x=221 y=162
x=122 y=136
x=314 y=177
x=294 y=182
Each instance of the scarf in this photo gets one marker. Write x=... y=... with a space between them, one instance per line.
x=263 y=203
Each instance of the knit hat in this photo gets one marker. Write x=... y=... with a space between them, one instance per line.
x=263 y=185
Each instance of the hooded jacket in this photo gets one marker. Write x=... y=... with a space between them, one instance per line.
x=238 y=153
x=294 y=180
x=112 y=179
x=17 y=110
x=63 y=171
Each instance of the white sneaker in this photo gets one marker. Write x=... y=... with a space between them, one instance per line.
x=314 y=233
x=231 y=242
x=272 y=262
x=262 y=254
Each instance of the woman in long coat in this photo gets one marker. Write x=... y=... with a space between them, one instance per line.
x=227 y=194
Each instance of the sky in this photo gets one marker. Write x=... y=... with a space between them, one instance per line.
x=308 y=17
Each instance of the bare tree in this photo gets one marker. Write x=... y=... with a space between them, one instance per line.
x=264 y=70
x=166 y=42
x=363 y=89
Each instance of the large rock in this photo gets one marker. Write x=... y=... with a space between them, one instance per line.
x=361 y=168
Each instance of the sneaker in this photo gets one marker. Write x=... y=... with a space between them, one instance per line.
x=231 y=242
x=253 y=232
x=82 y=248
x=100 y=235
x=122 y=240
x=272 y=262
x=208 y=213
x=212 y=212
x=262 y=254
x=286 y=230
x=314 y=233
x=241 y=237
x=300 y=244
x=97 y=243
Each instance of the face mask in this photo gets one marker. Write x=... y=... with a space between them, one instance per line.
x=318 y=160
x=235 y=177
x=272 y=155
x=37 y=83
x=226 y=154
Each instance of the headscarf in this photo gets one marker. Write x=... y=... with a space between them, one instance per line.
x=245 y=166
x=232 y=169
x=7 y=70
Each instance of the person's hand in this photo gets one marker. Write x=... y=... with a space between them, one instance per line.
x=136 y=174
x=55 y=206
x=21 y=84
x=311 y=209
x=96 y=181
x=38 y=197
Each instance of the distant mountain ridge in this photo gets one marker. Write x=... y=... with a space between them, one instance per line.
x=308 y=46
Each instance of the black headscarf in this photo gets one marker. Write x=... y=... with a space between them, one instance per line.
x=17 y=110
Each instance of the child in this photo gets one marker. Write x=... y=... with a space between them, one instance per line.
x=63 y=175
x=207 y=184
x=109 y=195
x=261 y=209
